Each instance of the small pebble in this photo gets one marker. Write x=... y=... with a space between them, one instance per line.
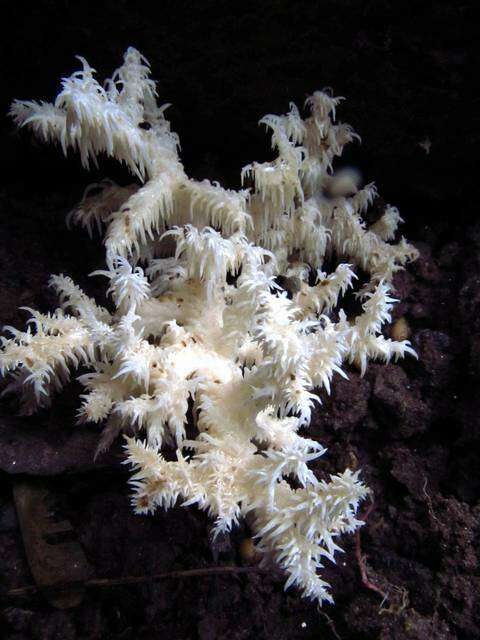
x=401 y=330
x=248 y=551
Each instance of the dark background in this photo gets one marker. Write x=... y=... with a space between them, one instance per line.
x=408 y=71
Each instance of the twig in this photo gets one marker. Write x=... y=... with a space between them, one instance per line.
x=102 y=583
x=361 y=558
x=330 y=624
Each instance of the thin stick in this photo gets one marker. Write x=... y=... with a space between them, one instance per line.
x=330 y=624
x=102 y=583
x=361 y=558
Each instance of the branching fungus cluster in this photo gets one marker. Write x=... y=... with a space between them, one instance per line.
x=226 y=307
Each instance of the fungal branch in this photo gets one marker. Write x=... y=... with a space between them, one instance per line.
x=222 y=300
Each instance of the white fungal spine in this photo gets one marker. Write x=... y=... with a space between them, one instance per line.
x=222 y=303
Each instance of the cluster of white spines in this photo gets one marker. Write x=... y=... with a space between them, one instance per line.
x=200 y=318
x=93 y=119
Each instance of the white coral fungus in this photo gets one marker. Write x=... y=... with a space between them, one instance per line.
x=222 y=304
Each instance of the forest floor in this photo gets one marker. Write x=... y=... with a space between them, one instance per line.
x=413 y=429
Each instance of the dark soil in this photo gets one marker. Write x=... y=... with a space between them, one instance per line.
x=412 y=427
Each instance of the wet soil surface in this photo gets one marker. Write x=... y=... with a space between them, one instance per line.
x=413 y=428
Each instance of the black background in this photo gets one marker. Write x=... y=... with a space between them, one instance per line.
x=407 y=70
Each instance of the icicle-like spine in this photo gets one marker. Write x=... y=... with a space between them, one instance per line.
x=220 y=305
